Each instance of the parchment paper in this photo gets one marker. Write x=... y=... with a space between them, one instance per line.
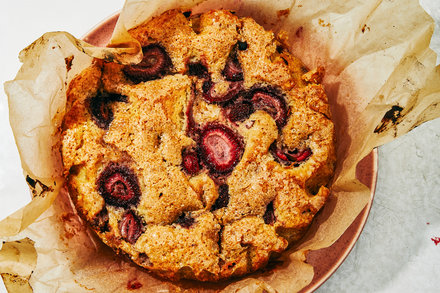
x=381 y=81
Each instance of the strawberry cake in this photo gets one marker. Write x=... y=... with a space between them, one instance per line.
x=206 y=159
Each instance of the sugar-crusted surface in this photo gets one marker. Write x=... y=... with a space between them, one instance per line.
x=148 y=133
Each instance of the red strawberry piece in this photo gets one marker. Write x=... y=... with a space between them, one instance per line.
x=300 y=155
x=273 y=103
x=100 y=110
x=118 y=185
x=154 y=64
x=221 y=148
x=269 y=216
x=239 y=111
x=185 y=220
x=130 y=227
x=192 y=128
x=100 y=221
x=222 y=199
x=233 y=70
x=281 y=155
x=211 y=96
x=197 y=69
x=190 y=162
x=288 y=157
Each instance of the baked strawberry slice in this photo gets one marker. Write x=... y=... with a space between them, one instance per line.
x=281 y=155
x=222 y=200
x=269 y=215
x=190 y=161
x=288 y=157
x=118 y=185
x=185 y=220
x=269 y=100
x=299 y=155
x=221 y=148
x=197 y=69
x=233 y=70
x=100 y=108
x=155 y=63
x=100 y=221
x=192 y=128
x=130 y=227
x=211 y=96
x=239 y=110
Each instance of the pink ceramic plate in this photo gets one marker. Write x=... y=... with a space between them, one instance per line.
x=325 y=261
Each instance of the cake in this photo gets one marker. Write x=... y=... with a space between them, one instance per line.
x=206 y=159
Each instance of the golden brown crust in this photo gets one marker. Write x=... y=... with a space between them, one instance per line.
x=180 y=226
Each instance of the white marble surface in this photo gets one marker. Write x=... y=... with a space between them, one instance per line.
x=395 y=252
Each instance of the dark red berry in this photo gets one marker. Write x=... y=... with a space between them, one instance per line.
x=221 y=148
x=273 y=103
x=118 y=185
x=190 y=162
x=192 y=128
x=281 y=155
x=197 y=69
x=207 y=86
x=299 y=155
x=154 y=64
x=211 y=96
x=288 y=157
x=233 y=70
x=130 y=227
x=185 y=220
x=239 y=111
x=222 y=199
x=100 y=221
x=100 y=109
x=269 y=216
